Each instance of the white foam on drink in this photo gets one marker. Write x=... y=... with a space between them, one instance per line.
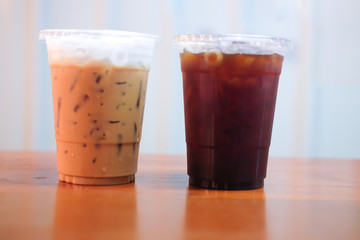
x=123 y=49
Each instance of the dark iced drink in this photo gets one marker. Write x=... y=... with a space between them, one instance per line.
x=229 y=100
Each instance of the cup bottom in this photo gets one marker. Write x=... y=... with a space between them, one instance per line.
x=96 y=180
x=219 y=185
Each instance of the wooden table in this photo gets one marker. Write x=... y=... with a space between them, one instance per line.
x=302 y=199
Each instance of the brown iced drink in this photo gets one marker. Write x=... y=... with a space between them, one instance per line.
x=98 y=102
x=98 y=114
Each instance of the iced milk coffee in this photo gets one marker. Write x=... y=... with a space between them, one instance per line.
x=98 y=102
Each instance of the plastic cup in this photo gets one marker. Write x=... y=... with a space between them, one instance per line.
x=99 y=80
x=230 y=85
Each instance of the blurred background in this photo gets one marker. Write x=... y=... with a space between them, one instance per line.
x=318 y=104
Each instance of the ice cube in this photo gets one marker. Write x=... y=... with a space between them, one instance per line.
x=213 y=57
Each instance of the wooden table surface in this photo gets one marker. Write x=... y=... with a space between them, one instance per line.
x=302 y=199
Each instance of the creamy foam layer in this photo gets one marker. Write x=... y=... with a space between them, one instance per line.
x=99 y=47
x=80 y=51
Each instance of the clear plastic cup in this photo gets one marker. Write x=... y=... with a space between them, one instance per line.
x=99 y=80
x=230 y=87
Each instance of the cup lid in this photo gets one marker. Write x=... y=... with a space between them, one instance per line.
x=94 y=34
x=233 y=43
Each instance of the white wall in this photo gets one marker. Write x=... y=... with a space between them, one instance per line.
x=318 y=105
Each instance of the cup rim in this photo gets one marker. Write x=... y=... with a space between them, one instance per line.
x=279 y=43
x=95 y=34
